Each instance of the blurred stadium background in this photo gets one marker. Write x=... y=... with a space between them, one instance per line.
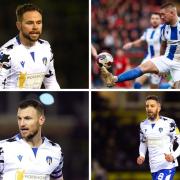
x=66 y=123
x=116 y=22
x=115 y=132
x=65 y=26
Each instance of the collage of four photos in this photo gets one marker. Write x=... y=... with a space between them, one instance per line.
x=89 y=90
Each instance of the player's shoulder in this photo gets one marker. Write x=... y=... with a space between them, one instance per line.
x=51 y=144
x=9 y=140
x=43 y=42
x=10 y=44
x=144 y=122
x=167 y=119
x=149 y=29
x=163 y=26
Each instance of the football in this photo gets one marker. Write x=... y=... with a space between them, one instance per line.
x=105 y=59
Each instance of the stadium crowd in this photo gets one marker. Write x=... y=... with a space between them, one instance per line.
x=116 y=22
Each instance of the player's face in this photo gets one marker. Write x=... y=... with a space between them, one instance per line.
x=29 y=122
x=152 y=109
x=166 y=15
x=31 y=25
x=155 y=20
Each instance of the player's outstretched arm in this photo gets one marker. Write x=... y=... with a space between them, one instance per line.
x=136 y=43
x=94 y=52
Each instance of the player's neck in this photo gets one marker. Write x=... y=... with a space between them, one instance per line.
x=35 y=141
x=155 y=120
x=26 y=42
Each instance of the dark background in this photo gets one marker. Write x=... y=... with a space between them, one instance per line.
x=66 y=124
x=116 y=117
x=65 y=26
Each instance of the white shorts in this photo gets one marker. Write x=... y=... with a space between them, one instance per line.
x=165 y=65
x=154 y=78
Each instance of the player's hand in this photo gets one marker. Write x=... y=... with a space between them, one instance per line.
x=107 y=77
x=140 y=160
x=127 y=46
x=169 y=157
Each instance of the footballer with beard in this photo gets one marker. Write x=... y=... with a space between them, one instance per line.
x=158 y=134
x=26 y=61
x=29 y=155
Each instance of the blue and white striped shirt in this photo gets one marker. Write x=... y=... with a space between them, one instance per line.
x=171 y=34
x=153 y=38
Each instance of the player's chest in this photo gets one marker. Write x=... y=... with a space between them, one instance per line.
x=30 y=60
x=153 y=37
x=24 y=159
x=172 y=34
x=158 y=131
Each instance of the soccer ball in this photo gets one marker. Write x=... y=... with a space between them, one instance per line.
x=105 y=59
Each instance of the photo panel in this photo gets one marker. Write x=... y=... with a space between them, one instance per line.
x=64 y=26
x=66 y=124
x=133 y=45
x=121 y=121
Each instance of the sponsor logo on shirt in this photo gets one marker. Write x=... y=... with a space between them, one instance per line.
x=21 y=175
x=30 y=81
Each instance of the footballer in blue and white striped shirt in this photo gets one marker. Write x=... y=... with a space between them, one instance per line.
x=152 y=37
x=169 y=61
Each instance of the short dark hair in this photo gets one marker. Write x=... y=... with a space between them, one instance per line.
x=156 y=13
x=21 y=9
x=32 y=103
x=167 y=5
x=153 y=97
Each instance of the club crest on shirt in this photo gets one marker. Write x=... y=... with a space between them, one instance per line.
x=49 y=159
x=20 y=157
x=44 y=59
x=160 y=130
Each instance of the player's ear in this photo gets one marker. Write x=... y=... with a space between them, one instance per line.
x=41 y=120
x=18 y=25
x=159 y=107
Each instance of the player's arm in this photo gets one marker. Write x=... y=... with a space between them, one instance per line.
x=142 y=148
x=1 y=161
x=175 y=134
x=50 y=81
x=94 y=52
x=5 y=68
x=57 y=174
x=135 y=43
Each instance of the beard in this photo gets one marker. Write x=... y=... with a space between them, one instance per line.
x=152 y=116
x=155 y=25
x=30 y=135
x=29 y=36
